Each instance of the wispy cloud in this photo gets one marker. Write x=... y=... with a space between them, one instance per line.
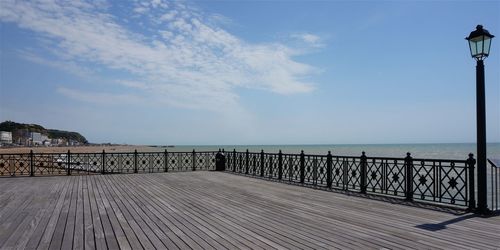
x=68 y=66
x=310 y=39
x=99 y=97
x=186 y=61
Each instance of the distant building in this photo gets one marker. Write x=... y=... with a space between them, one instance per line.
x=57 y=141
x=36 y=138
x=21 y=137
x=73 y=143
x=5 y=137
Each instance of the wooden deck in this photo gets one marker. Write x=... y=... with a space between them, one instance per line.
x=211 y=210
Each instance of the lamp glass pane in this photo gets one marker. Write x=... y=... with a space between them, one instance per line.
x=476 y=46
x=473 y=48
x=487 y=44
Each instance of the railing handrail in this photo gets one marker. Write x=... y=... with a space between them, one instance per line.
x=243 y=152
x=351 y=157
x=109 y=152
x=493 y=164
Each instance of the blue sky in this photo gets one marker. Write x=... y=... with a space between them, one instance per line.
x=248 y=72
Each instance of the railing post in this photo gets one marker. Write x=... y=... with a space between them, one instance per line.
x=345 y=173
x=225 y=160
x=103 y=165
x=363 y=164
x=262 y=163
x=234 y=160
x=409 y=176
x=32 y=164
x=280 y=165
x=329 y=170
x=302 y=166
x=135 y=161
x=68 y=170
x=194 y=160
x=165 y=163
x=246 y=162
x=270 y=166
x=471 y=162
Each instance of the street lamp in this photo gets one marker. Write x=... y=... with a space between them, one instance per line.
x=479 y=45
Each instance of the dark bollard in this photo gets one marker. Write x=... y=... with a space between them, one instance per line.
x=220 y=162
x=329 y=170
x=363 y=164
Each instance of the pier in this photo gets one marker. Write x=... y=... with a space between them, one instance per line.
x=219 y=210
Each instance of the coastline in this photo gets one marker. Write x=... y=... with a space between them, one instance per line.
x=81 y=149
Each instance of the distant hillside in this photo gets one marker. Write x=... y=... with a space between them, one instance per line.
x=11 y=126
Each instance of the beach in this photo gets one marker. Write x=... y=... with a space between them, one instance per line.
x=81 y=149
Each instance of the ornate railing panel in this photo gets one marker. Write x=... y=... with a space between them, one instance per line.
x=353 y=172
x=14 y=165
x=376 y=175
x=205 y=160
x=36 y=164
x=338 y=175
x=395 y=178
x=291 y=167
x=49 y=164
x=439 y=181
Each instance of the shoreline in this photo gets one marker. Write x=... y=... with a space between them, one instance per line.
x=81 y=149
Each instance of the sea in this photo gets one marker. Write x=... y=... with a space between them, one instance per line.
x=452 y=151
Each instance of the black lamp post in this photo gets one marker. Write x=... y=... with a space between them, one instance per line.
x=479 y=44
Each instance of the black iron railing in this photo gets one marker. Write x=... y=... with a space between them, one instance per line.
x=440 y=181
x=494 y=186
x=431 y=180
x=36 y=164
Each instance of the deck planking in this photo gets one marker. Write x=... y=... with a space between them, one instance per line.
x=212 y=210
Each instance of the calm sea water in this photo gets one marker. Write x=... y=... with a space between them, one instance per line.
x=439 y=151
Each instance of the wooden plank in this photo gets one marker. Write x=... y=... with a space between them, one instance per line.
x=174 y=226
x=122 y=220
x=140 y=236
x=34 y=214
x=50 y=227
x=78 y=239
x=223 y=231
x=146 y=225
x=57 y=236
x=109 y=234
x=44 y=218
x=150 y=210
x=275 y=234
x=119 y=236
x=99 y=237
x=162 y=237
x=69 y=229
x=88 y=227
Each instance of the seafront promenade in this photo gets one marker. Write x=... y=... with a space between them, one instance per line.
x=219 y=210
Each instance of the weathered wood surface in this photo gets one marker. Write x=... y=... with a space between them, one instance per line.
x=210 y=210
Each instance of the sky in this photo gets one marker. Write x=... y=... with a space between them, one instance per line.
x=248 y=72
